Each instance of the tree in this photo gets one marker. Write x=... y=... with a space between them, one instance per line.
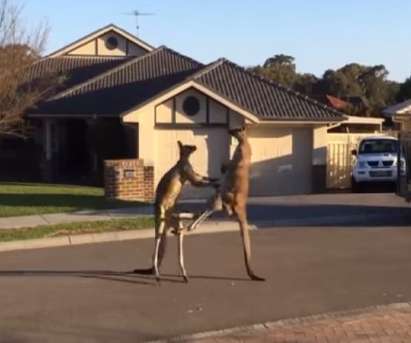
x=404 y=92
x=365 y=88
x=280 y=68
x=19 y=49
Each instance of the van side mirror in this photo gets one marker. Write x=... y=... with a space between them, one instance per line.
x=354 y=152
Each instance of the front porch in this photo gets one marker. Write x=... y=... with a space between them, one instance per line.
x=74 y=149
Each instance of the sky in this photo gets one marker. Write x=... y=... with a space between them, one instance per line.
x=320 y=34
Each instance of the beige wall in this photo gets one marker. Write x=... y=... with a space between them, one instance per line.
x=218 y=113
x=320 y=141
x=89 y=49
x=281 y=160
x=164 y=112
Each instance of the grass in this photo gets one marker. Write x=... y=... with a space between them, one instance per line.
x=19 y=199
x=48 y=231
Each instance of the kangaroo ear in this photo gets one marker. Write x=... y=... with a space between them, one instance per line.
x=180 y=145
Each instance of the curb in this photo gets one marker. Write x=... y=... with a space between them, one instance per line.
x=306 y=320
x=116 y=236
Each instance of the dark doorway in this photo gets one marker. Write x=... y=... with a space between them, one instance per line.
x=74 y=157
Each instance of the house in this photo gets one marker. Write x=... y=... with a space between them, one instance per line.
x=125 y=99
x=400 y=114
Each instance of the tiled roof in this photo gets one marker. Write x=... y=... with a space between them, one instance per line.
x=143 y=78
x=264 y=98
x=74 y=69
x=123 y=87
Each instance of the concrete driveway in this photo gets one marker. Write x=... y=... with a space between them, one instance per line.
x=85 y=293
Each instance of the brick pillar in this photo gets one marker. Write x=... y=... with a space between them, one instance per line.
x=128 y=180
x=149 y=183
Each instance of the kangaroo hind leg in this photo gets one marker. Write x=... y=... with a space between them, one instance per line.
x=181 y=255
x=160 y=243
x=245 y=235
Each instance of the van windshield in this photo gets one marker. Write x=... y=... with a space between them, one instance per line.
x=377 y=146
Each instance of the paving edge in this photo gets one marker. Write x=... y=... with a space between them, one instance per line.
x=306 y=320
x=115 y=236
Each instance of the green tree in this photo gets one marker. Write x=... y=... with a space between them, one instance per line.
x=404 y=92
x=280 y=68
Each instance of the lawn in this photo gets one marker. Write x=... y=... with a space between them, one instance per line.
x=19 y=199
x=48 y=231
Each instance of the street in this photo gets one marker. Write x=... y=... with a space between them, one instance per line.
x=86 y=293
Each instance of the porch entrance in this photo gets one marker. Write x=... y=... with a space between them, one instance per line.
x=75 y=149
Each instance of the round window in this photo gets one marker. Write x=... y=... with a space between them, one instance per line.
x=111 y=43
x=191 y=106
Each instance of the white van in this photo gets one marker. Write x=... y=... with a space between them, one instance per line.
x=377 y=161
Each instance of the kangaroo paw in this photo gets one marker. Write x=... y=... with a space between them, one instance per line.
x=185 y=277
x=255 y=277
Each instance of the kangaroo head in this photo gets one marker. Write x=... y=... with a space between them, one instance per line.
x=186 y=150
x=240 y=134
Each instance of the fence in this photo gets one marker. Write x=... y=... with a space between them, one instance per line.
x=339 y=158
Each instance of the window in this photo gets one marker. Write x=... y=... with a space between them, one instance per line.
x=376 y=146
x=191 y=106
x=111 y=43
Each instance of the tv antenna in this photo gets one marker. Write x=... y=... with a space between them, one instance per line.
x=137 y=14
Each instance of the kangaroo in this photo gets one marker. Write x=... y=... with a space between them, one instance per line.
x=167 y=193
x=233 y=193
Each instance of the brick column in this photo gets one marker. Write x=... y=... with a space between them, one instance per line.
x=128 y=180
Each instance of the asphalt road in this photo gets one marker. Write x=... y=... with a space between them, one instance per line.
x=84 y=293
x=367 y=209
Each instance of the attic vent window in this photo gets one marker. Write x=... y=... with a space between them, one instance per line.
x=111 y=43
x=191 y=106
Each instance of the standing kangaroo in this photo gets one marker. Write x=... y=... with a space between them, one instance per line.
x=233 y=194
x=167 y=193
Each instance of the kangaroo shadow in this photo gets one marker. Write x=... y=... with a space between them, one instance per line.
x=106 y=275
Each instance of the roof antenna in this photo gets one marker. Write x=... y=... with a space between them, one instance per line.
x=137 y=14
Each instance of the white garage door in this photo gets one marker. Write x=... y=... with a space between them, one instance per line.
x=212 y=150
x=282 y=161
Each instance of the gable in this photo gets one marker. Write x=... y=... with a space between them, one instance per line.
x=108 y=41
x=108 y=44
x=207 y=111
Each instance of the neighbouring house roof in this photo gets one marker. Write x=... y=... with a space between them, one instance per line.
x=362 y=120
x=337 y=103
x=73 y=70
x=108 y=28
x=143 y=79
x=398 y=109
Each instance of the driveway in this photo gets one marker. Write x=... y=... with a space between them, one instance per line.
x=368 y=209
x=85 y=293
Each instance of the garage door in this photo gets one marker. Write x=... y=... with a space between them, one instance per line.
x=212 y=150
x=282 y=161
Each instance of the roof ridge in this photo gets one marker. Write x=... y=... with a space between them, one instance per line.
x=280 y=86
x=207 y=68
x=108 y=72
